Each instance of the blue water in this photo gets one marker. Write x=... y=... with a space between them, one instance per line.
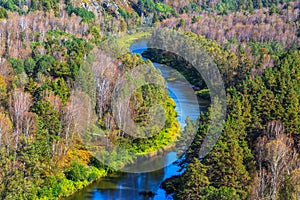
x=128 y=185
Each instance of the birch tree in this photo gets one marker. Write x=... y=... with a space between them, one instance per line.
x=276 y=158
x=19 y=104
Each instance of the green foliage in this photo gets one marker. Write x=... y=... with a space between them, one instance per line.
x=95 y=31
x=82 y=12
x=85 y=81
x=30 y=66
x=254 y=98
x=163 y=8
x=74 y=178
x=195 y=19
x=222 y=193
x=44 y=64
x=228 y=158
x=44 y=5
x=275 y=95
x=11 y=5
x=20 y=178
x=194 y=181
x=3 y=13
x=71 y=61
x=203 y=94
x=124 y=13
x=48 y=117
x=159 y=10
x=143 y=99
x=47 y=75
x=54 y=186
x=181 y=23
x=76 y=172
x=195 y=7
x=224 y=6
x=274 y=9
x=64 y=184
x=275 y=49
x=288 y=190
x=147 y=5
x=228 y=63
x=16 y=5
x=251 y=105
x=17 y=64
x=60 y=88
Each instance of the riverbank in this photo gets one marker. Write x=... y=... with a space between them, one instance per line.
x=127 y=40
x=183 y=67
x=159 y=145
x=133 y=185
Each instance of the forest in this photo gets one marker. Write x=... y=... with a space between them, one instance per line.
x=61 y=63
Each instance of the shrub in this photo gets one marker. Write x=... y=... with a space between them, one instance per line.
x=76 y=172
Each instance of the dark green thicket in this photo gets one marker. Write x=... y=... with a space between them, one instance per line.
x=82 y=12
x=176 y=62
x=229 y=169
x=159 y=10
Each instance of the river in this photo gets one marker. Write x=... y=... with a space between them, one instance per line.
x=127 y=186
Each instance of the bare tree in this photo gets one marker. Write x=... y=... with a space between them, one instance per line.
x=260 y=185
x=103 y=94
x=19 y=104
x=29 y=125
x=105 y=72
x=276 y=158
x=76 y=117
x=278 y=154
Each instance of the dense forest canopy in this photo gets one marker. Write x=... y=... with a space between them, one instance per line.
x=53 y=57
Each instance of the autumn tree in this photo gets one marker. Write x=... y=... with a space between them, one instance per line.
x=6 y=129
x=19 y=105
x=276 y=158
x=3 y=92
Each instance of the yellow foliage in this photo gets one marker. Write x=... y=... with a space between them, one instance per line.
x=2 y=88
x=296 y=180
x=5 y=129
x=78 y=154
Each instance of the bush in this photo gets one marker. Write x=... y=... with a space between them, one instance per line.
x=76 y=177
x=76 y=172
x=94 y=174
x=56 y=186
x=204 y=93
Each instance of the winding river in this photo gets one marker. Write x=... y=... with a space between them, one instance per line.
x=128 y=186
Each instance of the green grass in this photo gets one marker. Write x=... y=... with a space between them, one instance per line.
x=128 y=40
